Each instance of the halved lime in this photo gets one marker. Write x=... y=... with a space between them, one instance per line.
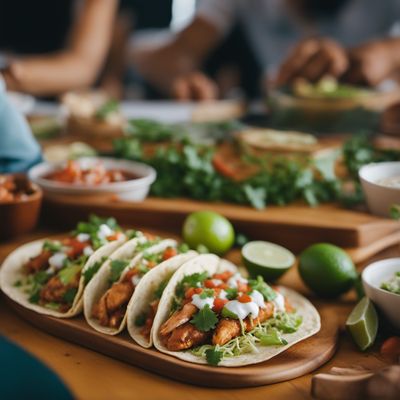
x=267 y=259
x=362 y=323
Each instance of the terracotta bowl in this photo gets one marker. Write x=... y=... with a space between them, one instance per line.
x=20 y=216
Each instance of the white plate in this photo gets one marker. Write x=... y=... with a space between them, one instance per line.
x=132 y=190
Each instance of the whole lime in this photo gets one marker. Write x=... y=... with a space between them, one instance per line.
x=209 y=229
x=327 y=270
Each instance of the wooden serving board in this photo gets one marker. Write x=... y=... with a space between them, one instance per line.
x=294 y=226
x=302 y=358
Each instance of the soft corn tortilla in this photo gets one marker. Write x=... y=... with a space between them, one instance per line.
x=12 y=271
x=99 y=284
x=310 y=326
x=144 y=294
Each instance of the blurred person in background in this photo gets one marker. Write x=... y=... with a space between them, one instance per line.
x=52 y=46
x=354 y=40
x=232 y=63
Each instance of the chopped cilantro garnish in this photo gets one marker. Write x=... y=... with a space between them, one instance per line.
x=41 y=277
x=92 y=228
x=262 y=287
x=52 y=246
x=205 y=319
x=143 y=269
x=18 y=283
x=141 y=319
x=117 y=266
x=183 y=248
x=231 y=293
x=35 y=295
x=69 y=295
x=207 y=293
x=213 y=356
x=188 y=281
x=160 y=289
x=91 y=271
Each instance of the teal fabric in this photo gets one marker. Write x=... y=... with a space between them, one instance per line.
x=24 y=377
x=18 y=148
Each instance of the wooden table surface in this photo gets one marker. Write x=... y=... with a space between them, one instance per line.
x=90 y=375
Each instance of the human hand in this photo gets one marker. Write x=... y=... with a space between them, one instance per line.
x=371 y=63
x=194 y=86
x=312 y=59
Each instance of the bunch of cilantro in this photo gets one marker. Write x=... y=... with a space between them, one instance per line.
x=187 y=170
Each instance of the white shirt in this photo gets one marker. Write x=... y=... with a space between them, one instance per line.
x=273 y=30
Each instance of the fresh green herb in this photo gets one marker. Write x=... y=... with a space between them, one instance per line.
x=183 y=248
x=193 y=280
x=141 y=247
x=175 y=304
x=89 y=273
x=271 y=338
x=132 y=234
x=18 y=283
x=140 y=320
x=395 y=211
x=231 y=293
x=160 y=289
x=106 y=109
x=52 y=246
x=205 y=319
x=117 y=266
x=35 y=296
x=143 y=269
x=41 y=277
x=262 y=287
x=207 y=293
x=92 y=228
x=156 y=257
x=70 y=295
x=213 y=356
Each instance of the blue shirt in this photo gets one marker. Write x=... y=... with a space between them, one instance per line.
x=18 y=148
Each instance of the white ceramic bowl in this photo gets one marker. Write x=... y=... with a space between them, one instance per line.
x=380 y=197
x=372 y=278
x=131 y=190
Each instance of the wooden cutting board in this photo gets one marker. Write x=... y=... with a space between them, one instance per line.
x=295 y=226
x=302 y=358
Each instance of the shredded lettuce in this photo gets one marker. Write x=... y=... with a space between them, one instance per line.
x=268 y=333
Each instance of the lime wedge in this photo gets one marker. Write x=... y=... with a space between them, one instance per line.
x=362 y=323
x=267 y=259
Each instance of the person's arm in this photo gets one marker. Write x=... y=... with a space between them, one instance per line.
x=173 y=67
x=312 y=59
x=113 y=74
x=74 y=67
x=374 y=61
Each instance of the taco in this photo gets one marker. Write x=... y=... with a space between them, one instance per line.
x=49 y=276
x=211 y=314
x=107 y=296
x=143 y=305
